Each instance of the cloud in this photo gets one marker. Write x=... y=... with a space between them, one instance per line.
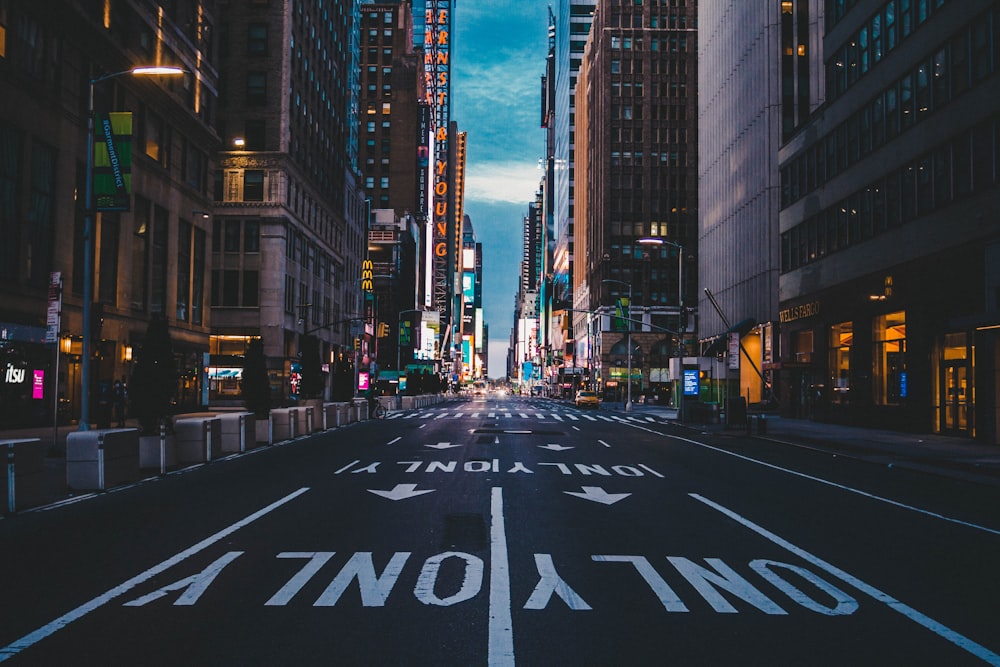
x=510 y=182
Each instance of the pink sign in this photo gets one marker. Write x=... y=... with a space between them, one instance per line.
x=38 y=385
x=362 y=381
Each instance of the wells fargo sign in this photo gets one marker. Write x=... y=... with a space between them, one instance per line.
x=799 y=312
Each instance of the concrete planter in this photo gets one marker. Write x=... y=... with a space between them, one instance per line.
x=239 y=431
x=199 y=439
x=284 y=424
x=21 y=482
x=99 y=460
x=313 y=408
x=150 y=452
x=263 y=431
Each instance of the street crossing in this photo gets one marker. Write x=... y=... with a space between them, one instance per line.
x=564 y=415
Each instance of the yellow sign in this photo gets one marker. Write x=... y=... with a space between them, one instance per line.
x=367 y=278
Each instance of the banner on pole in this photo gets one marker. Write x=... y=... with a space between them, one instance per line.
x=113 y=162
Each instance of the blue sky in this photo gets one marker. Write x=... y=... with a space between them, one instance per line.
x=498 y=60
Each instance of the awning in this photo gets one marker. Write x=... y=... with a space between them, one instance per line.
x=715 y=345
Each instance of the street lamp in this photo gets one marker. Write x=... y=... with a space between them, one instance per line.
x=680 y=307
x=88 y=228
x=628 y=339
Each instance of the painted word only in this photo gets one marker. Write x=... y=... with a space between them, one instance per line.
x=718 y=584
x=494 y=466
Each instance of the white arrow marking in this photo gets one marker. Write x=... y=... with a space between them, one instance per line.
x=598 y=495
x=555 y=447
x=443 y=445
x=400 y=492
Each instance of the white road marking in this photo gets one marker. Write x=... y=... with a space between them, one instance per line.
x=604 y=443
x=393 y=442
x=835 y=485
x=45 y=631
x=937 y=628
x=501 y=626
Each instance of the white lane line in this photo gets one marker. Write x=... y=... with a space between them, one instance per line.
x=393 y=442
x=937 y=628
x=501 y=625
x=604 y=443
x=842 y=487
x=45 y=631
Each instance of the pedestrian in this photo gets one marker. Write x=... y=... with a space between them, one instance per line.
x=120 y=398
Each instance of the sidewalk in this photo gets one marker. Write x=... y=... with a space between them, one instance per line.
x=959 y=458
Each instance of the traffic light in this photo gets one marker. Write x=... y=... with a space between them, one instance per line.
x=684 y=318
x=383 y=329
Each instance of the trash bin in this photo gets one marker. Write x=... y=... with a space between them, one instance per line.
x=736 y=412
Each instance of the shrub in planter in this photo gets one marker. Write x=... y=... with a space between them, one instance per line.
x=313 y=379
x=154 y=378
x=255 y=385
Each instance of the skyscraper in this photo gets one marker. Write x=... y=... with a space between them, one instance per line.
x=290 y=216
x=636 y=207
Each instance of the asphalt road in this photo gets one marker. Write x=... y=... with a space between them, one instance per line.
x=509 y=531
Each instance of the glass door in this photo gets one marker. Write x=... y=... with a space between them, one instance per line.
x=954 y=396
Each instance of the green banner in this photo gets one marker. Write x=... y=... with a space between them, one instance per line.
x=113 y=162
x=619 y=321
x=404 y=333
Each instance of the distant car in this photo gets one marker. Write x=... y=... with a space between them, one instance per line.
x=587 y=399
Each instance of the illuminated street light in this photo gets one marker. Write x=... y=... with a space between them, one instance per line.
x=88 y=228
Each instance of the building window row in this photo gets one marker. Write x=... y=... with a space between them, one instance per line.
x=965 y=165
x=957 y=65
x=881 y=33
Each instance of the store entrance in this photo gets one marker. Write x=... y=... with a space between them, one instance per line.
x=954 y=397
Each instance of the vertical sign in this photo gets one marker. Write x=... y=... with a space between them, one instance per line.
x=113 y=162
x=437 y=80
x=54 y=312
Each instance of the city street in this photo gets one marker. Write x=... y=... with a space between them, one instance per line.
x=508 y=530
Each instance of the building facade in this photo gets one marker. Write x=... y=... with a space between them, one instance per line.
x=150 y=257
x=754 y=85
x=290 y=214
x=637 y=148
x=890 y=240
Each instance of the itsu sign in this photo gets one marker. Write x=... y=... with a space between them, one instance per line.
x=14 y=375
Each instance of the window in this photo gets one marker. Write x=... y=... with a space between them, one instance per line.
x=158 y=286
x=839 y=362
x=140 y=255
x=107 y=269
x=256 y=88
x=232 y=238
x=253 y=185
x=257 y=39
x=251 y=236
x=198 y=277
x=889 y=381
x=155 y=135
x=251 y=289
x=183 y=269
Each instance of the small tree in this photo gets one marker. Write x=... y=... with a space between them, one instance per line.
x=155 y=377
x=313 y=381
x=255 y=386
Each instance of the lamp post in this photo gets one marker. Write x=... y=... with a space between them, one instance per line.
x=628 y=339
x=88 y=229
x=680 y=308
